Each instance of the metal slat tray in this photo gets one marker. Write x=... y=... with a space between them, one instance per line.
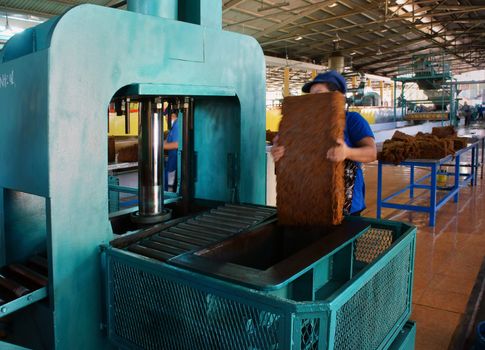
x=180 y=236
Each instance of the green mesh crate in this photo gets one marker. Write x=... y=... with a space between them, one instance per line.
x=154 y=305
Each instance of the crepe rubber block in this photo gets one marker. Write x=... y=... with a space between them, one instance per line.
x=443 y=131
x=403 y=147
x=128 y=154
x=310 y=188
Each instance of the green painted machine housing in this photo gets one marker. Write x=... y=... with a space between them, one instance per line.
x=56 y=81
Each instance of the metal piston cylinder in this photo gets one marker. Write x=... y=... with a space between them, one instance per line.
x=150 y=163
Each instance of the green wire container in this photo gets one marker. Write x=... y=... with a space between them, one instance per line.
x=356 y=297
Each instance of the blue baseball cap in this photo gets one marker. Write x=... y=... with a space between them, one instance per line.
x=328 y=77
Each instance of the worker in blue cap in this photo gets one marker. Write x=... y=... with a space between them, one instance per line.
x=357 y=147
x=171 y=145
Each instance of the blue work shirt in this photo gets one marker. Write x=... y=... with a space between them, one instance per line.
x=357 y=128
x=173 y=136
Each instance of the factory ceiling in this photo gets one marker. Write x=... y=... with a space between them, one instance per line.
x=374 y=36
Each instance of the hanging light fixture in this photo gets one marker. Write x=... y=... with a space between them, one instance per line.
x=382 y=30
x=336 y=60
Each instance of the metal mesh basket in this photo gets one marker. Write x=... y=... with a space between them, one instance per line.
x=153 y=305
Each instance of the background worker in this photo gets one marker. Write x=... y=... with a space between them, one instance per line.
x=171 y=145
x=467 y=113
x=357 y=146
x=480 y=111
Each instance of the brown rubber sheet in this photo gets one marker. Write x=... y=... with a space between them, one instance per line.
x=422 y=146
x=310 y=188
x=444 y=131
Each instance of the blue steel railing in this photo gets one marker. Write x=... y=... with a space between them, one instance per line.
x=116 y=203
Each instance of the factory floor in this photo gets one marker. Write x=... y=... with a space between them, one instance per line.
x=448 y=256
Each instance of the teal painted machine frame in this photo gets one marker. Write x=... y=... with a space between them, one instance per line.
x=57 y=80
x=281 y=320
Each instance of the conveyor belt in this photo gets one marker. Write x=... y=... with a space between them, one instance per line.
x=202 y=230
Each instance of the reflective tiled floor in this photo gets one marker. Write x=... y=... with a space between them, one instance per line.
x=448 y=256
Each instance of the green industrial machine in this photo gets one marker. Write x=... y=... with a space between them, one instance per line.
x=432 y=74
x=171 y=273
x=61 y=76
x=359 y=96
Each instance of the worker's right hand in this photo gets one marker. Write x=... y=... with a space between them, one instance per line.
x=277 y=151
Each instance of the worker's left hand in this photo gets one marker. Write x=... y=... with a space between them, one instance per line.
x=338 y=153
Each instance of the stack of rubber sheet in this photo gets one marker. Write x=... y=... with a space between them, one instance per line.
x=128 y=154
x=427 y=116
x=310 y=188
x=444 y=131
x=439 y=144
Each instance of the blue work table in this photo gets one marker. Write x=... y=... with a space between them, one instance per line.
x=460 y=179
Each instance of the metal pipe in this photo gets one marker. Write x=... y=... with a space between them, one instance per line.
x=187 y=149
x=161 y=8
x=150 y=159
x=127 y=116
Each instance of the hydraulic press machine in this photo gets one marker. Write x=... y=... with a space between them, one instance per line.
x=207 y=268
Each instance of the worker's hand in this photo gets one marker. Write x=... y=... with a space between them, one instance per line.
x=338 y=153
x=277 y=151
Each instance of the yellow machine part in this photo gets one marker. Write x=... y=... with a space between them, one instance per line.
x=369 y=114
x=116 y=125
x=117 y=122
x=273 y=118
